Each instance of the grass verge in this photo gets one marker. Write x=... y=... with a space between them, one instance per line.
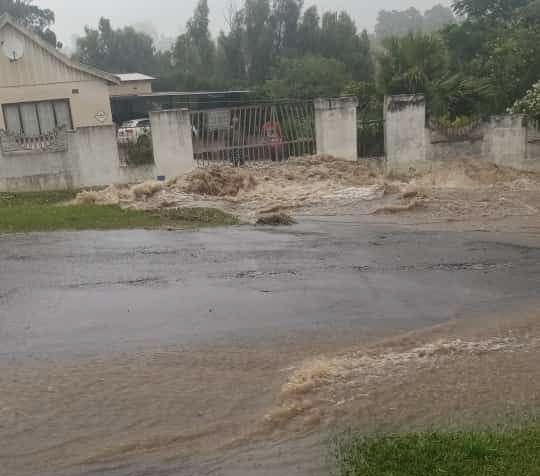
x=494 y=453
x=47 y=211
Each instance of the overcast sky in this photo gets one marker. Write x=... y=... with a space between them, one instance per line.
x=169 y=16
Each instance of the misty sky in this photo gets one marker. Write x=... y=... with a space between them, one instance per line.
x=169 y=16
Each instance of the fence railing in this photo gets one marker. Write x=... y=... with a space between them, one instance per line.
x=371 y=139
x=255 y=132
x=54 y=141
x=457 y=132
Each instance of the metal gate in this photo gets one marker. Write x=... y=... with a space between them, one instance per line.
x=258 y=132
x=371 y=139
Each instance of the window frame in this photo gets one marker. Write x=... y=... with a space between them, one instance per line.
x=35 y=104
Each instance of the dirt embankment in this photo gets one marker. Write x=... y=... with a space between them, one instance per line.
x=320 y=185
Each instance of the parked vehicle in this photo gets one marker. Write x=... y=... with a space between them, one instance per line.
x=131 y=131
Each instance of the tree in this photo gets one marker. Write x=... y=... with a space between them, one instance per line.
x=39 y=20
x=231 y=62
x=258 y=39
x=195 y=50
x=285 y=17
x=530 y=103
x=340 y=40
x=307 y=77
x=493 y=10
x=411 y=64
x=397 y=23
x=118 y=51
x=499 y=40
x=309 y=31
x=437 y=18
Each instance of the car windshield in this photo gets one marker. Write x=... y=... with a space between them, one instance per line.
x=136 y=123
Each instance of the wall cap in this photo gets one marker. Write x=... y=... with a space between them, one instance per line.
x=326 y=104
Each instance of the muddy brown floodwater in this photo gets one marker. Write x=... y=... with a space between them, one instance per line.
x=240 y=351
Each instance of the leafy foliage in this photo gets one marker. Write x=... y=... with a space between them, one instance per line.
x=118 y=51
x=529 y=104
x=478 y=67
x=400 y=23
x=39 y=20
x=307 y=77
x=411 y=64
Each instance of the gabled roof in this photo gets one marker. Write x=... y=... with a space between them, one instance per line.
x=128 y=77
x=6 y=19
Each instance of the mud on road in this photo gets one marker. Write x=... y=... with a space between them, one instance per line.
x=236 y=351
x=451 y=191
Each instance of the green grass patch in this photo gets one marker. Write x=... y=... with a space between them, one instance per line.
x=488 y=453
x=27 y=212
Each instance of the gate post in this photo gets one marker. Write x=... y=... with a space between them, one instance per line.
x=405 y=136
x=336 y=128
x=172 y=141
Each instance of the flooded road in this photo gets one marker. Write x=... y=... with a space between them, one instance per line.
x=155 y=352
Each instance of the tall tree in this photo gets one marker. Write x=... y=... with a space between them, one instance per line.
x=436 y=18
x=340 y=40
x=259 y=39
x=500 y=10
x=122 y=50
x=285 y=17
x=398 y=23
x=231 y=60
x=307 y=77
x=39 y=20
x=309 y=31
x=195 y=50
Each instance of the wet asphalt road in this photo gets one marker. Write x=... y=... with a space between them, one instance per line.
x=97 y=292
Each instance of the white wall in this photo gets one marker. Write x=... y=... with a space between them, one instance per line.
x=506 y=143
x=504 y=140
x=91 y=159
x=173 y=142
x=336 y=128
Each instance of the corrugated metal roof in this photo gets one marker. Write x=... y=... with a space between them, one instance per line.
x=182 y=94
x=127 y=77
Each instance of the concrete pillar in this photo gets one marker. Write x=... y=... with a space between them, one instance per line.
x=336 y=127
x=172 y=141
x=506 y=141
x=405 y=137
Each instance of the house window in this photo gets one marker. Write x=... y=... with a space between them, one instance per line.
x=35 y=118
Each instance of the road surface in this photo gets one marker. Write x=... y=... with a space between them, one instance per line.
x=142 y=346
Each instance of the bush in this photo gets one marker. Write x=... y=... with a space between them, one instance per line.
x=529 y=104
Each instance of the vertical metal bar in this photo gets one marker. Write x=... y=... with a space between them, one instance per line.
x=265 y=149
x=258 y=133
x=250 y=133
x=306 y=128
x=283 y=121
x=293 y=131
x=305 y=132
x=310 y=117
x=244 y=151
x=298 y=130
x=302 y=123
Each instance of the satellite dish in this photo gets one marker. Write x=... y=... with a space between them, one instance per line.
x=13 y=48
